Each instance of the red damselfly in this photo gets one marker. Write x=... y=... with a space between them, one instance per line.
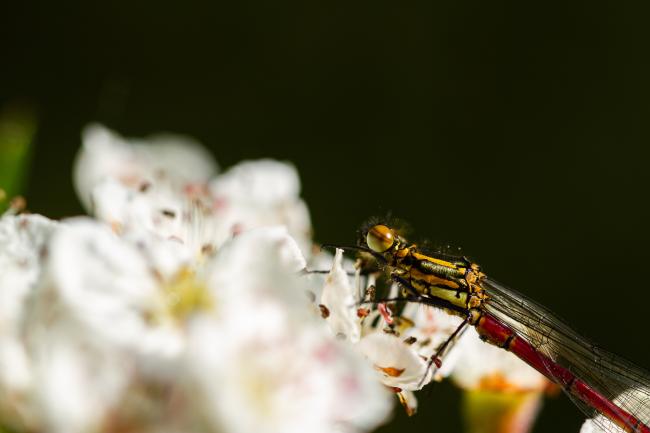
x=603 y=385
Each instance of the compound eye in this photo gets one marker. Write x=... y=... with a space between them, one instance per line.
x=380 y=238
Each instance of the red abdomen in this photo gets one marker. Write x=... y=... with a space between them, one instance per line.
x=499 y=334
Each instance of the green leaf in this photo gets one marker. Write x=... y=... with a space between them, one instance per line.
x=17 y=130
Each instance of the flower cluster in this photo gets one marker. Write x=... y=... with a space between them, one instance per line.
x=185 y=304
x=400 y=346
x=181 y=306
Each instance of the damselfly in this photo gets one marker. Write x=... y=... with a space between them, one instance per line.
x=603 y=385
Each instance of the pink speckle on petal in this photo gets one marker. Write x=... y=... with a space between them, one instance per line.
x=219 y=203
x=350 y=384
x=325 y=353
x=236 y=229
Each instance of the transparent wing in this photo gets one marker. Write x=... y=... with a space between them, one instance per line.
x=617 y=379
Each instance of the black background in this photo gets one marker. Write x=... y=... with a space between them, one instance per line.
x=517 y=130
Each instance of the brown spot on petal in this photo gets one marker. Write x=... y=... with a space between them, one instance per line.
x=236 y=229
x=324 y=311
x=392 y=371
x=116 y=226
x=362 y=312
x=371 y=292
x=410 y=340
x=168 y=213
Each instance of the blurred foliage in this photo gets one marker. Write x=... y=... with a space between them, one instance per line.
x=499 y=412
x=17 y=129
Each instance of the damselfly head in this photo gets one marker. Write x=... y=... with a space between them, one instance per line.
x=380 y=238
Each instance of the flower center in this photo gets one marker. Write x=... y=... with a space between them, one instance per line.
x=186 y=294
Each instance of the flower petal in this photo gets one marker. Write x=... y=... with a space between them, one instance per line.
x=398 y=363
x=175 y=160
x=261 y=193
x=339 y=298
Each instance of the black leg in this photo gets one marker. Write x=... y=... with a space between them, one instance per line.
x=405 y=285
x=436 y=358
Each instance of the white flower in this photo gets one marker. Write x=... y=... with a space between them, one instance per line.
x=261 y=193
x=166 y=186
x=96 y=323
x=233 y=337
x=399 y=363
x=23 y=239
x=264 y=363
x=108 y=286
x=173 y=160
x=400 y=366
x=189 y=311
x=266 y=374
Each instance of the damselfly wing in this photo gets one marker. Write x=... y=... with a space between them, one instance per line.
x=618 y=380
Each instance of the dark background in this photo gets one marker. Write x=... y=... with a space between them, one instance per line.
x=517 y=130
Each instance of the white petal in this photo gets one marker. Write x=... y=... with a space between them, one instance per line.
x=178 y=157
x=589 y=426
x=106 y=284
x=400 y=366
x=481 y=362
x=23 y=239
x=261 y=262
x=279 y=376
x=79 y=379
x=339 y=298
x=263 y=182
x=103 y=154
x=432 y=327
x=175 y=160
x=157 y=210
x=257 y=194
